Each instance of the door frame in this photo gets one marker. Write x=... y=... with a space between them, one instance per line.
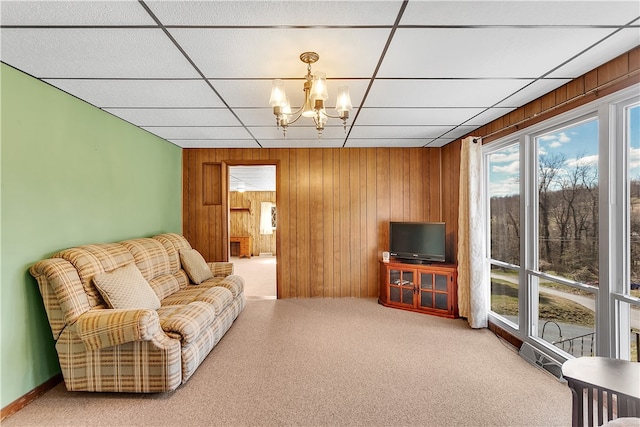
x=226 y=213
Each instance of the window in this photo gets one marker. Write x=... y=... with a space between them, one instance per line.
x=552 y=190
x=274 y=221
x=504 y=217
x=567 y=237
x=627 y=295
x=632 y=134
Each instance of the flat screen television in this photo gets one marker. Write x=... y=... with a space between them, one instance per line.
x=417 y=242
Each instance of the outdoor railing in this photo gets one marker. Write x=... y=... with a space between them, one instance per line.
x=570 y=342
x=567 y=344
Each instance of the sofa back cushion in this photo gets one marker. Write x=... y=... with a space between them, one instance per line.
x=173 y=243
x=153 y=261
x=90 y=260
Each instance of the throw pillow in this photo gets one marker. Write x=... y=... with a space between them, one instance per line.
x=195 y=266
x=126 y=288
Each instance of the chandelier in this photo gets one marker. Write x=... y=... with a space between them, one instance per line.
x=315 y=95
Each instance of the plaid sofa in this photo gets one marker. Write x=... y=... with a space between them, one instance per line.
x=141 y=350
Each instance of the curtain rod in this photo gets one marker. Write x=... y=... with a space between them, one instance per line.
x=568 y=101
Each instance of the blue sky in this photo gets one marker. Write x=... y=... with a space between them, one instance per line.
x=577 y=143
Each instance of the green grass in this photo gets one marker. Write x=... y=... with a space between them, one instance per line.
x=504 y=301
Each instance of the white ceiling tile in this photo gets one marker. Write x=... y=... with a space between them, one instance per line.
x=519 y=12
x=415 y=116
x=441 y=93
x=176 y=116
x=275 y=53
x=489 y=115
x=460 y=131
x=215 y=143
x=247 y=93
x=384 y=142
x=254 y=178
x=141 y=93
x=74 y=13
x=299 y=131
x=484 y=52
x=398 y=131
x=608 y=49
x=436 y=83
x=219 y=132
x=302 y=143
x=532 y=92
x=282 y=13
x=256 y=116
x=94 y=52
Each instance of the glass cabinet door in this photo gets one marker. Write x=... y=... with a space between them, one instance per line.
x=401 y=286
x=433 y=291
x=426 y=290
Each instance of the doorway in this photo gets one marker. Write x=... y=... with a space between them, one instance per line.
x=253 y=227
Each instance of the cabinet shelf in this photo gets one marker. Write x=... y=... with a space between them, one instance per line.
x=431 y=289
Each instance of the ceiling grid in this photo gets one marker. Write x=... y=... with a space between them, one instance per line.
x=420 y=73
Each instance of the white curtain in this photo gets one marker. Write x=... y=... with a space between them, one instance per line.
x=265 y=218
x=473 y=280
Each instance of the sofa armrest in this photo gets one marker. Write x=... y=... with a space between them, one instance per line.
x=108 y=327
x=221 y=269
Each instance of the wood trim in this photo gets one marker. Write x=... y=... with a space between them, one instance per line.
x=507 y=336
x=611 y=77
x=23 y=401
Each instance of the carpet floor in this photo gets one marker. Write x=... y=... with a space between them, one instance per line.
x=334 y=362
x=259 y=273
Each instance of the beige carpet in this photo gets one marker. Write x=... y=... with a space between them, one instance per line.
x=334 y=362
x=259 y=273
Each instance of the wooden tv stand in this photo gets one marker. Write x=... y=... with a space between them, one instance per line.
x=424 y=288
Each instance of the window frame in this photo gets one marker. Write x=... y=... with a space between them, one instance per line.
x=613 y=221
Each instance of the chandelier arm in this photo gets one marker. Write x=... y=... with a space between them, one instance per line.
x=299 y=110
x=296 y=119
x=331 y=116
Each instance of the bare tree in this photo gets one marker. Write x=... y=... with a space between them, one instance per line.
x=549 y=166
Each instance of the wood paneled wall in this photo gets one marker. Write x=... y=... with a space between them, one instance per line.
x=247 y=222
x=333 y=208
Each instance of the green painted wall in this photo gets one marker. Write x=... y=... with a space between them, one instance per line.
x=70 y=174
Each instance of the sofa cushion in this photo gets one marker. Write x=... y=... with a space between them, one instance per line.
x=126 y=288
x=172 y=243
x=150 y=257
x=234 y=283
x=195 y=265
x=218 y=297
x=90 y=260
x=186 y=322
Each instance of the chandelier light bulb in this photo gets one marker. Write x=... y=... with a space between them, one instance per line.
x=278 y=95
x=343 y=102
x=319 y=87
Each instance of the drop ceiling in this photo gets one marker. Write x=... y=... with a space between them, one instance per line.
x=420 y=73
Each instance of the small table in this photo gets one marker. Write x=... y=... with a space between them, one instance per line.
x=244 y=245
x=619 y=378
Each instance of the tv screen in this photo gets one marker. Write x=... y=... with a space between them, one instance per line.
x=417 y=241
